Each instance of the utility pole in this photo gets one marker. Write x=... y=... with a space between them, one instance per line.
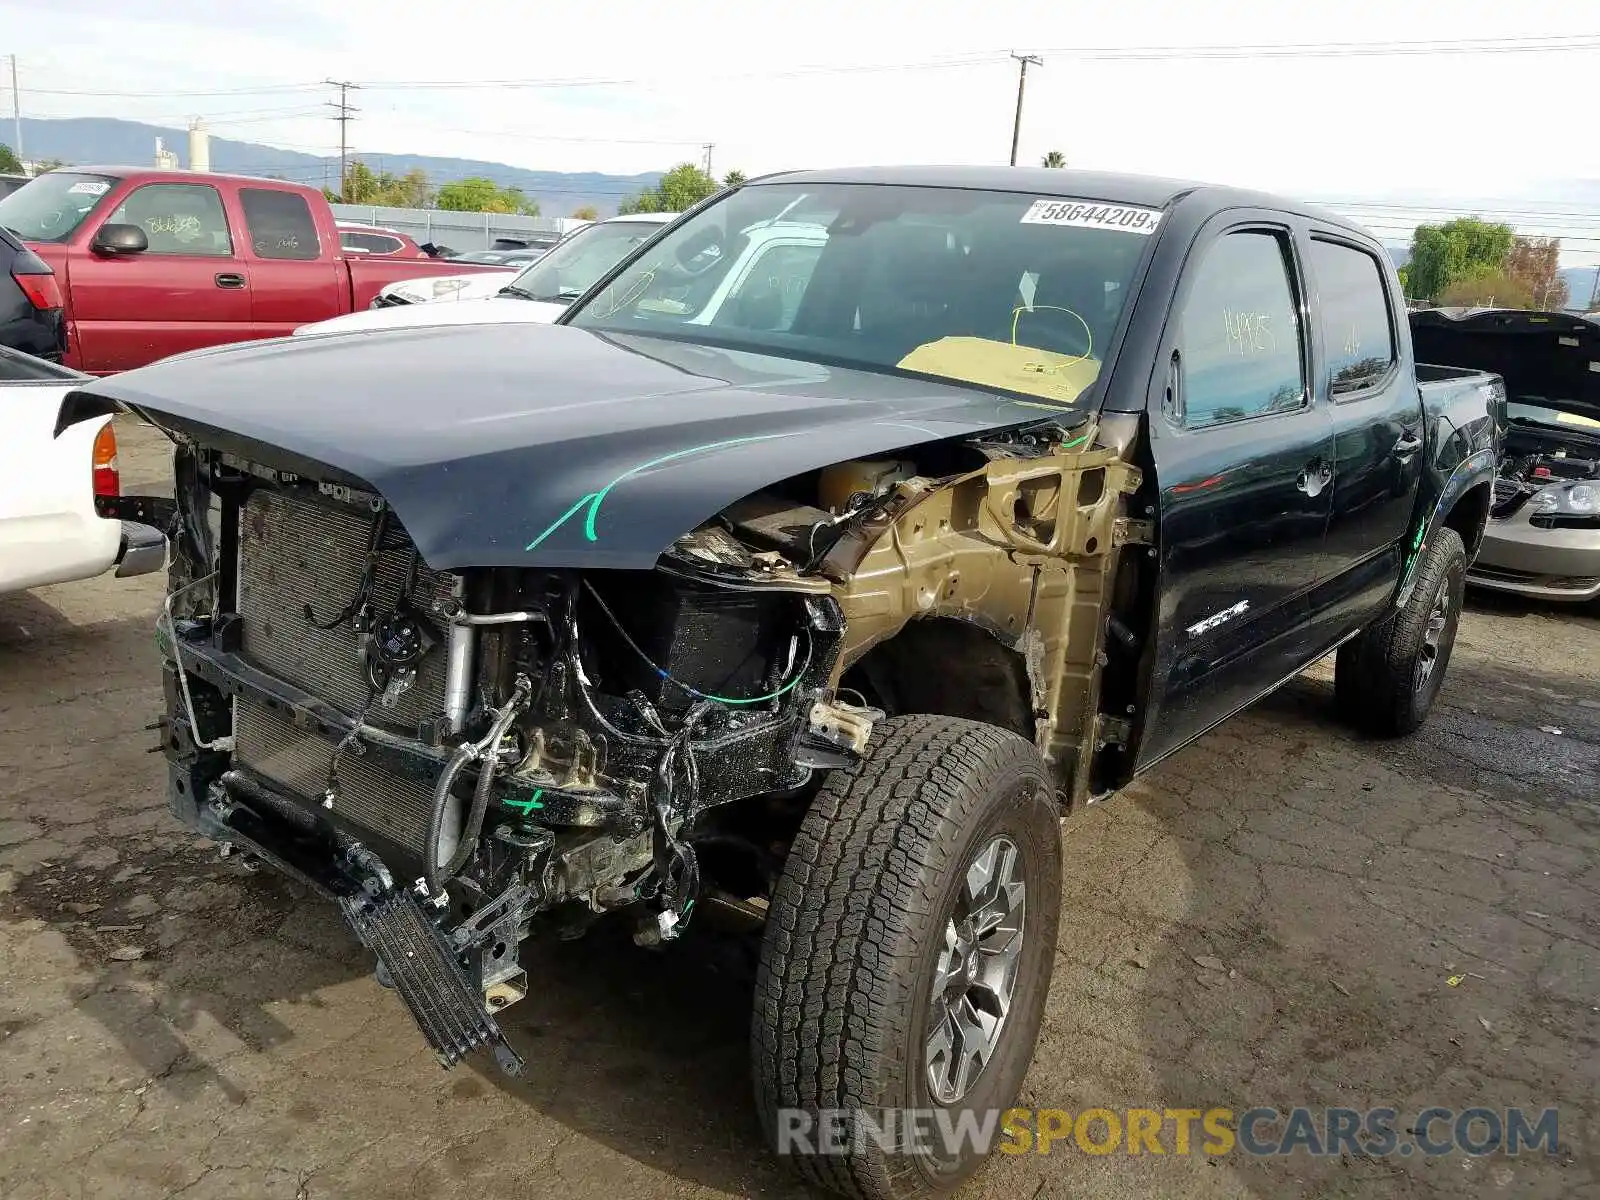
x=16 y=107
x=344 y=114
x=708 y=148
x=1022 y=81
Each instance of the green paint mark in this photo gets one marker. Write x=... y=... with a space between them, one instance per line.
x=527 y=806
x=1077 y=441
x=593 y=500
x=788 y=687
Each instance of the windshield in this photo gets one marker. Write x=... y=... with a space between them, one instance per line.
x=50 y=207
x=569 y=270
x=993 y=288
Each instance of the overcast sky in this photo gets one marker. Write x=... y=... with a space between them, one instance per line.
x=1489 y=126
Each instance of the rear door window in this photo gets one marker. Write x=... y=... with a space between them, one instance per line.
x=280 y=224
x=1241 y=341
x=369 y=243
x=1353 y=306
x=178 y=218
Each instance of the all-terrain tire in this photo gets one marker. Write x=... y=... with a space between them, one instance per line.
x=844 y=994
x=1385 y=680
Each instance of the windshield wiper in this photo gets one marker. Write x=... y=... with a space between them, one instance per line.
x=512 y=289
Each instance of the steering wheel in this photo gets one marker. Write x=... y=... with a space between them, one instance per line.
x=1078 y=328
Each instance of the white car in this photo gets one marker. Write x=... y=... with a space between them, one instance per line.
x=761 y=287
x=433 y=289
x=537 y=294
x=49 y=529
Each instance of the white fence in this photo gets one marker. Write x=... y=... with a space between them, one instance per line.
x=458 y=230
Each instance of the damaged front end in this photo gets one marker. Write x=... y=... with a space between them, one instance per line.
x=460 y=757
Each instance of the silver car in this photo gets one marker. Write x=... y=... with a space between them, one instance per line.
x=1543 y=536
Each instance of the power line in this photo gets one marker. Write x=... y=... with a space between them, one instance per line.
x=1553 y=43
x=266 y=90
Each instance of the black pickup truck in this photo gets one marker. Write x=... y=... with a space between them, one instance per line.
x=978 y=493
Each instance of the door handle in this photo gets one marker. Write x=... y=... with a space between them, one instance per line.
x=1408 y=444
x=230 y=279
x=1314 y=476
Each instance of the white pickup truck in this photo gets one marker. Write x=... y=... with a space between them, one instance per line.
x=49 y=529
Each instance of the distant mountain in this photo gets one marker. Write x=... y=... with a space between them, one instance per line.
x=107 y=141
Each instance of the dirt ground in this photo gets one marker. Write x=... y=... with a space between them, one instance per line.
x=170 y=1026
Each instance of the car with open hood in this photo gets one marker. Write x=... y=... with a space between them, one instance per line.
x=1543 y=538
x=815 y=594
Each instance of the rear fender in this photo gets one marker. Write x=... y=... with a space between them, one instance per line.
x=1477 y=469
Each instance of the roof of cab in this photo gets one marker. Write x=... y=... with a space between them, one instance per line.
x=1149 y=191
x=161 y=173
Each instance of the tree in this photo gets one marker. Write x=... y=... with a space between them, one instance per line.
x=1458 y=250
x=1487 y=286
x=586 y=212
x=680 y=188
x=1535 y=263
x=735 y=179
x=363 y=185
x=49 y=164
x=1053 y=159
x=478 y=194
x=9 y=162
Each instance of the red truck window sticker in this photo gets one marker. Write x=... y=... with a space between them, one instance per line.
x=1118 y=217
x=89 y=187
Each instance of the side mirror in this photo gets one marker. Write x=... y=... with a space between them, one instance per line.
x=120 y=239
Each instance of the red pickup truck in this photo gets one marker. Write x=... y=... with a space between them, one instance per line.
x=150 y=263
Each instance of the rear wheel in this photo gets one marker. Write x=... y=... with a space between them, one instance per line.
x=1385 y=680
x=907 y=956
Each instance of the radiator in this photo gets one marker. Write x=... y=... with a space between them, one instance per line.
x=369 y=795
x=294 y=552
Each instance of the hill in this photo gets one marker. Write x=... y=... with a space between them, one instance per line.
x=107 y=140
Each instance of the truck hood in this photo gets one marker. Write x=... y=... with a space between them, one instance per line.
x=496 y=310
x=435 y=289
x=543 y=445
x=1545 y=358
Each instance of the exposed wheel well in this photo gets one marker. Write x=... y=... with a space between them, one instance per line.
x=1467 y=517
x=947 y=667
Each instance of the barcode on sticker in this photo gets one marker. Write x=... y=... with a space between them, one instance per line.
x=1122 y=218
x=89 y=187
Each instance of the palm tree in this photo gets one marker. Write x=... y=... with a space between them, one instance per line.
x=1054 y=159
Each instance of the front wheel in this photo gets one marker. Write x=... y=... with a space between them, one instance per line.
x=907 y=959
x=1385 y=680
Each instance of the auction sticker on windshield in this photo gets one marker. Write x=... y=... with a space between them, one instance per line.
x=1122 y=217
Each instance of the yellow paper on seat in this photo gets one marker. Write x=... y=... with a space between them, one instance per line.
x=1060 y=378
